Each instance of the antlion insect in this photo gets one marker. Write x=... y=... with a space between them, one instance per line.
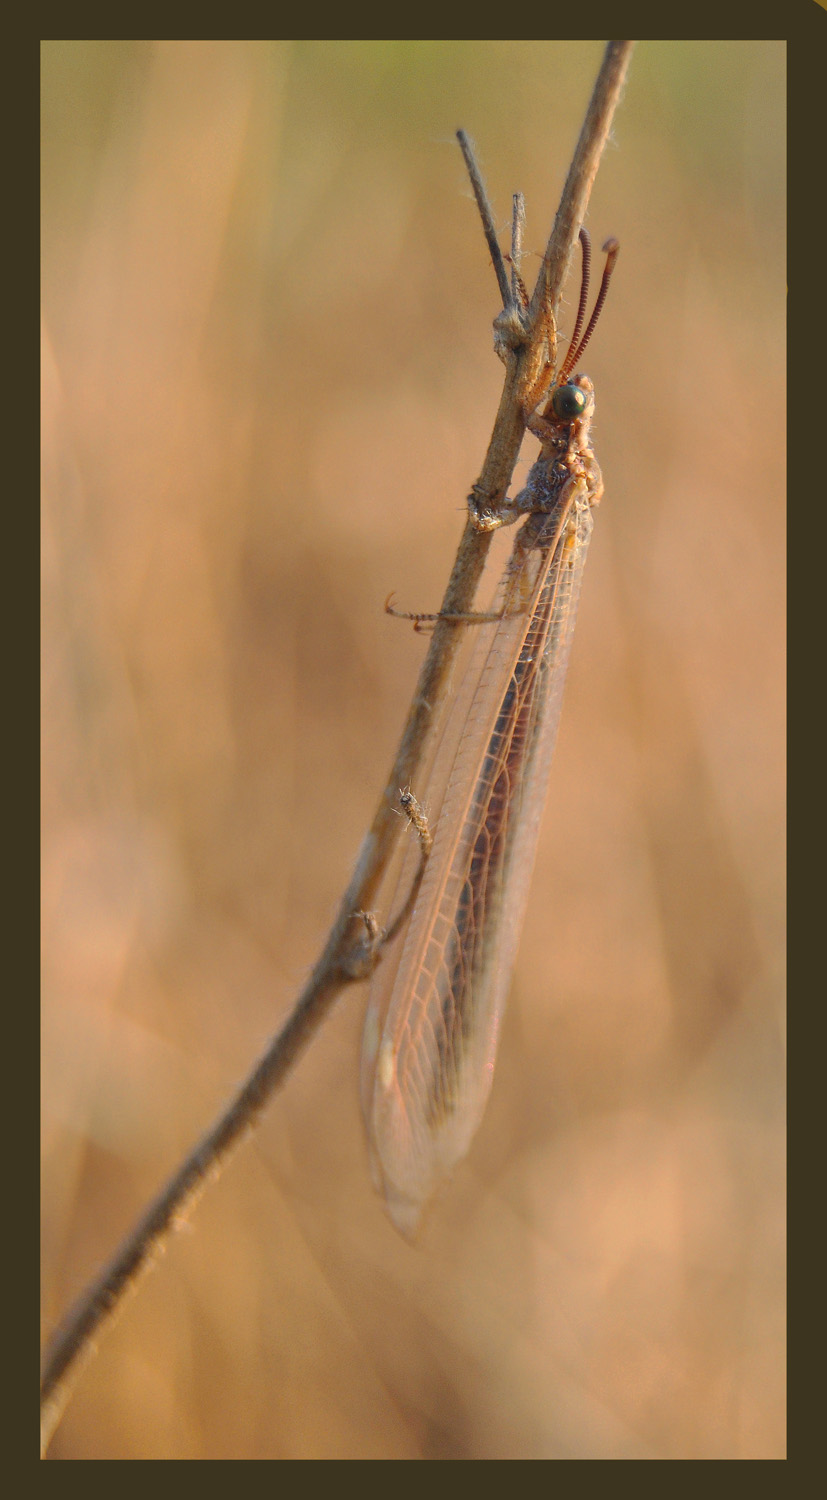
x=437 y=997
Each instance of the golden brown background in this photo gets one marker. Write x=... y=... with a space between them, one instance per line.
x=268 y=384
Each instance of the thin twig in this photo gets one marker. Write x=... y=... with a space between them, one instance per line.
x=486 y=215
x=525 y=340
x=518 y=292
x=582 y=172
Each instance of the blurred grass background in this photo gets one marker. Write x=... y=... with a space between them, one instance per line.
x=268 y=383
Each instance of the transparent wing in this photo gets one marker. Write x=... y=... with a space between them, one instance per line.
x=437 y=998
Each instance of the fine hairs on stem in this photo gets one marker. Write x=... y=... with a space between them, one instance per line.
x=525 y=339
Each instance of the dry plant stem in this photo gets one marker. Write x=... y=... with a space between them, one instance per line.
x=524 y=341
x=486 y=215
x=582 y=172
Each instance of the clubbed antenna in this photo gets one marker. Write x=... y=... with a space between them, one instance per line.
x=610 y=249
x=586 y=245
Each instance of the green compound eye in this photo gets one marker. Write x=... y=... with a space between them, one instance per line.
x=568 y=402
